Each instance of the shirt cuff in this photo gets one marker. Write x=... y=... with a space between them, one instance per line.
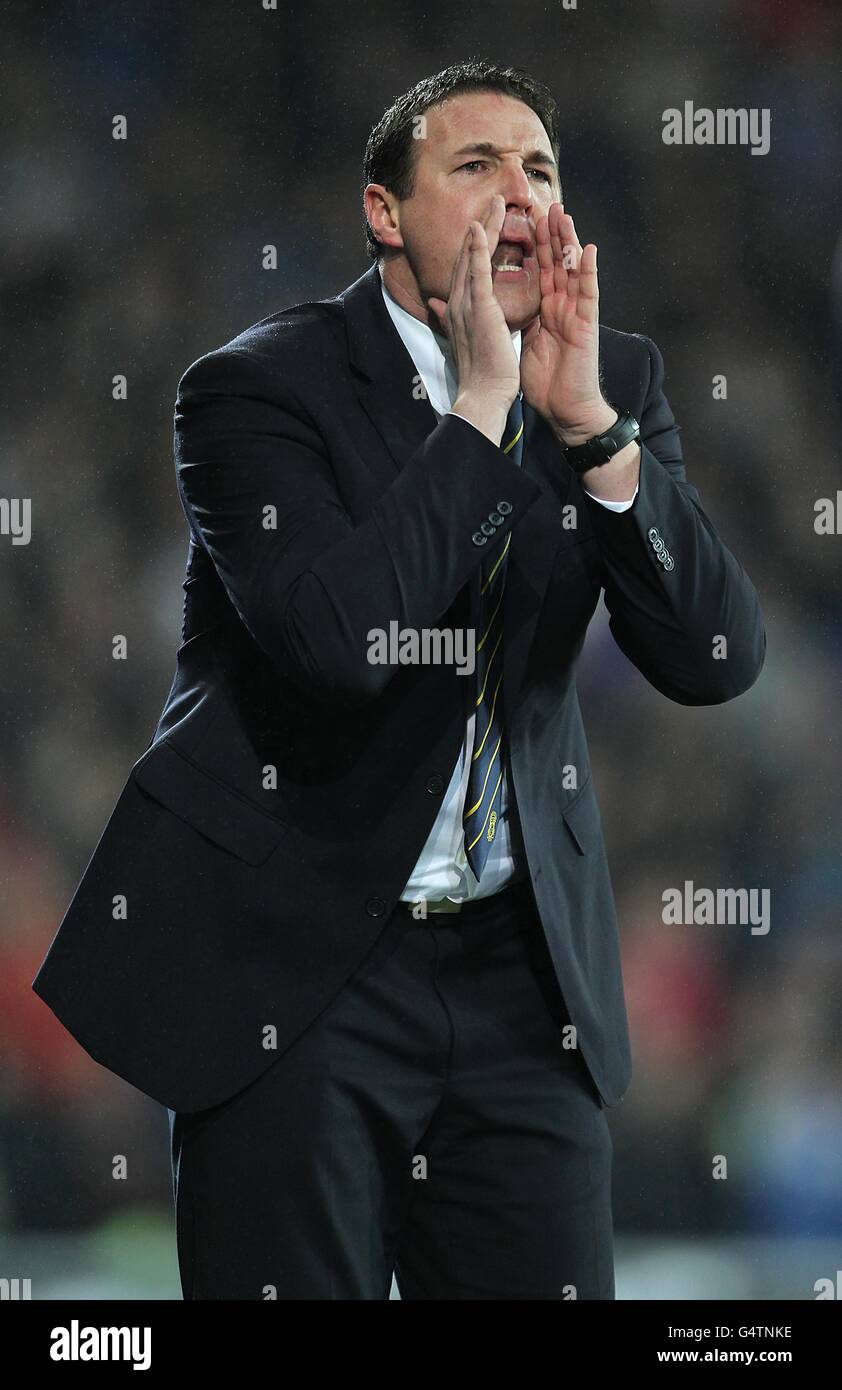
x=467 y=422
x=614 y=506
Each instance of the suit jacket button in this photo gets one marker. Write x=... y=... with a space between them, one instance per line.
x=504 y=507
x=487 y=528
x=479 y=539
x=653 y=533
x=375 y=907
x=435 y=784
x=496 y=518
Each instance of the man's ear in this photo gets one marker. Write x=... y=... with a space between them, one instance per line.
x=382 y=212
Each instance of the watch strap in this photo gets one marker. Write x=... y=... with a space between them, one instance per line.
x=601 y=448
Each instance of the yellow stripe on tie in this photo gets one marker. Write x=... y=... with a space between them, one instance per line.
x=514 y=441
x=501 y=557
x=485 y=822
x=485 y=783
x=481 y=642
x=487 y=669
x=490 y=721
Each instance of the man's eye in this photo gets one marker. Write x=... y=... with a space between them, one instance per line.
x=481 y=164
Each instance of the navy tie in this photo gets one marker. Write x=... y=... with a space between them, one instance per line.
x=484 y=796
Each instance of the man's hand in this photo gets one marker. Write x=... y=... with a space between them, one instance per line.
x=484 y=355
x=559 y=365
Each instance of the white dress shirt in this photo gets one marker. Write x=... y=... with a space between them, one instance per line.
x=442 y=869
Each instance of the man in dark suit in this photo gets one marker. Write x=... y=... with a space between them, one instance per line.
x=351 y=919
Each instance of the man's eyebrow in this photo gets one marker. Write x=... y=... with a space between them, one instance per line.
x=486 y=147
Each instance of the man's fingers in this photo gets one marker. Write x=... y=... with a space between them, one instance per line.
x=546 y=259
x=565 y=246
x=493 y=222
x=495 y=216
x=479 y=243
x=565 y=228
x=460 y=270
x=568 y=272
x=480 y=264
x=459 y=292
x=530 y=333
x=458 y=278
x=588 y=297
x=438 y=307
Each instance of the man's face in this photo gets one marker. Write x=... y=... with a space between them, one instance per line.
x=476 y=144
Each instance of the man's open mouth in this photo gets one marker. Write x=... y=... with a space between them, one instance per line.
x=514 y=253
x=509 y=257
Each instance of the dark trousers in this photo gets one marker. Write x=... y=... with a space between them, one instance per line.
x=428 y=1122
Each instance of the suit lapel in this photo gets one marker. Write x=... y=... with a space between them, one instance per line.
x=385 y=377
x=387 y=385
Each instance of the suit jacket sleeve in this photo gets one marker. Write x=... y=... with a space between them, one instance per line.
x=260 y=494
x=666 y=620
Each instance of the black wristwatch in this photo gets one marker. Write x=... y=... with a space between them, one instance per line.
x=602 y=447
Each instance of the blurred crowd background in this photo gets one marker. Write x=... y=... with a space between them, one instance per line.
x=246 y=127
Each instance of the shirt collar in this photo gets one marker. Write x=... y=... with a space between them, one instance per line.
x=430 y=351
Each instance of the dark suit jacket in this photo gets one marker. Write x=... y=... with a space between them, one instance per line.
x=268 y=830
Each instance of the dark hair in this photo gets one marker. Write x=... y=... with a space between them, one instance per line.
x=389 y=153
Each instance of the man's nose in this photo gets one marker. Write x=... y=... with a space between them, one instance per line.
x=515 y=187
